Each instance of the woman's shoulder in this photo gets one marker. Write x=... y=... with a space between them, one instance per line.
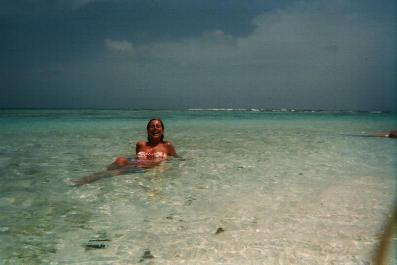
x=140 y=144
x=170 y=148
x=168 y=144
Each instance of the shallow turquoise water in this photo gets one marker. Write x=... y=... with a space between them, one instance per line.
x=286 y=188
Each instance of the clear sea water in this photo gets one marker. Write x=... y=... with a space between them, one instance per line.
x=249 y=187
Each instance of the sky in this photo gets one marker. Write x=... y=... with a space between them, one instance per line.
x=175 y=54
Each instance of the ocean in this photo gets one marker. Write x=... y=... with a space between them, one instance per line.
x=247 y=187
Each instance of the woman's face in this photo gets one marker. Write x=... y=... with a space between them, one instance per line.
x=155 y=130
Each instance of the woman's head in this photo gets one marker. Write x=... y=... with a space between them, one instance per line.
x=155 y=129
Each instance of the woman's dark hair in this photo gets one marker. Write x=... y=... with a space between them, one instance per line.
x=162 y=126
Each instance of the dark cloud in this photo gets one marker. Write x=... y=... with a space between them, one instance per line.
x=306 y=54
x=50 y=31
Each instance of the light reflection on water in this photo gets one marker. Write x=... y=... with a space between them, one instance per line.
x=290 y=189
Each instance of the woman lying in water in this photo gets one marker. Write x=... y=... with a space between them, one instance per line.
x=149 y=154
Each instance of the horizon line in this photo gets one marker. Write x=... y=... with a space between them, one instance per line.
x=248 y=109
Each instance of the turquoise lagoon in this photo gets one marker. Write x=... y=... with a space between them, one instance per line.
x=248 y=187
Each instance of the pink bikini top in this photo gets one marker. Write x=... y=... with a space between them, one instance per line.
x=155 y=155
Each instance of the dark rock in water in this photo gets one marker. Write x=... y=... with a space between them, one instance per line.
x=170 y=217
x=189 y=201
x=146 y=255
x=96 y=244
x=219 y=230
